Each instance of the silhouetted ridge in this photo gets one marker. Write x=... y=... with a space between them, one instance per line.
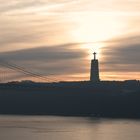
x=104 y=99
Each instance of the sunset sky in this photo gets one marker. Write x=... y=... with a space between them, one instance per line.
x=56 y=38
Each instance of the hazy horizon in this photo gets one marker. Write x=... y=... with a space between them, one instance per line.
x=56 y=38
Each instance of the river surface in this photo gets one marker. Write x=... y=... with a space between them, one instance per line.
x=67 y=128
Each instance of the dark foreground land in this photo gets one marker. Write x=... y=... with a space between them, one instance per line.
x=103 y=99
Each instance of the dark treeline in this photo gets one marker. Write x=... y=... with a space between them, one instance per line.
x=104 y=99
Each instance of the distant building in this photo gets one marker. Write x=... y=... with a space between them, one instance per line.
x=94 y=73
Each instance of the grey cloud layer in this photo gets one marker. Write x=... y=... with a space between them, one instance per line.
x=47 y=52
x=122 y=55
x=51 y=59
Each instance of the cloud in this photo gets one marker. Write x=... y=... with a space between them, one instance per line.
x=57 y=60
x=64 y=51
x=122 y=55
x=64 y=6
x=24 y=6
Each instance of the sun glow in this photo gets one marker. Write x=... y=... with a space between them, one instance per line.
x=91 y=28
x=93 y=47
x=94 y=30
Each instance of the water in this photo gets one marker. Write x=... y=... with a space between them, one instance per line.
x=67 y=128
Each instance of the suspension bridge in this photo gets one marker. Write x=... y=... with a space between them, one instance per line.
x=7 y=67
